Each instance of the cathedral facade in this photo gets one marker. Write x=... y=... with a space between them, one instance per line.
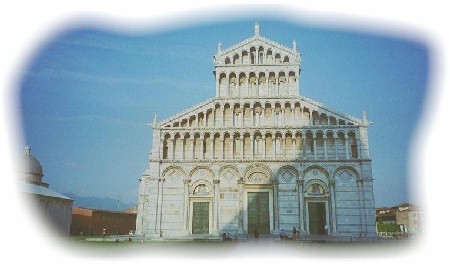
x=258 y=157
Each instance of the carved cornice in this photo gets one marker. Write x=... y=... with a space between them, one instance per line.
x=307 y=162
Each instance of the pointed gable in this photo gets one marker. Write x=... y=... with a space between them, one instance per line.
x=255 y=48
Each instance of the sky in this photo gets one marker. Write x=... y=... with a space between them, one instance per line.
x=87 y=94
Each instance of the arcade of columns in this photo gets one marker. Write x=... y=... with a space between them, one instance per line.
x=253 y=132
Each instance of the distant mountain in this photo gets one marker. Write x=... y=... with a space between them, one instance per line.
x=99 y=203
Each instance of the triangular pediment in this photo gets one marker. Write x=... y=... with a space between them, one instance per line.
x=255 y=45
x=201 y=114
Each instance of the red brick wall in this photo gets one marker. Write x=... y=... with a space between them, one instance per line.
x=92 y=222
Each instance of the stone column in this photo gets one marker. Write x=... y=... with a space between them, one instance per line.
x=241 y=140
x=283 y=140
x=222 y=143
x=213 y=115
x=193 y=147
x=336 y=147
x=215 y=226
x=346 y=148
x=301 y=207
x=241 y=116
x=294 y=147
x=186 y=205
x=362 y=206
x=301 y=115
x=161 y=149
x=170 y=148
x=183 y=148
x=276 y=206
x=212 y=148
x=227 y=85
x=202 y=146
x=293 y=115
x=315 y=147
x=160 y=198
x=358 y=143
x=263 y=117
x=277 y=86
x=264 y=146
x=232 y=146
x=241 y=206
x=204 y=120
x=333 y=206
x=217 y=86
x=257 y=84
x=238 y=86
x=223 y=116
x=304 y=147
x=252 y=151
x=325 y=147
x=273 y=117
x=274 y=147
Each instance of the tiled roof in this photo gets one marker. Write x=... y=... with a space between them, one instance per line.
x=40 y=190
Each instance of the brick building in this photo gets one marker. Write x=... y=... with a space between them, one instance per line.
x=93 y=222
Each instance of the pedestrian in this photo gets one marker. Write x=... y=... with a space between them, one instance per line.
x=294 y=233
x=282 y=234
x=256 y=234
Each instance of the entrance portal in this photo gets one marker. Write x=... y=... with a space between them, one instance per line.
x=200 y=218
x=258 y=212
x=317 y=218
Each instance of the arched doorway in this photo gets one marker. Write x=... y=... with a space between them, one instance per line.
x=316 y=199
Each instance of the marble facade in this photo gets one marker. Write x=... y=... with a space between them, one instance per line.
x=258 y=156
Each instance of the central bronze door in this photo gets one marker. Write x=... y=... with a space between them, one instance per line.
x=317 y=218
x=258 y=212
x=200 y=218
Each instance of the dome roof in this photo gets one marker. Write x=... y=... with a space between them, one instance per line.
x=30 y=165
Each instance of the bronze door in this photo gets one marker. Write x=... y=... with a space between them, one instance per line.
x=200 y=218
x=258 y=212
x=317 y=218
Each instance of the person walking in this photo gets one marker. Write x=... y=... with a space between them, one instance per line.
x=256 y=234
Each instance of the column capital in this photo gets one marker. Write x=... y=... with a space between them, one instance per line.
x=216 y=181
x=300 y=182
x=186 y=181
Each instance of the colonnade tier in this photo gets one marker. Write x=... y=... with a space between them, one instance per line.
x=258 y=54
x=257 y=112
x=235 y=82
x=330 y=144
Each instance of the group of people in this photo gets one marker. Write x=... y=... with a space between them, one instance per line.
x=226 y=237
x=295 y=234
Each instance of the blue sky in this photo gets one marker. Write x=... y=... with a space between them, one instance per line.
x=88 y=92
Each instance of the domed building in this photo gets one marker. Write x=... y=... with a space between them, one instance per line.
x=258 y=157
x=54 y=207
